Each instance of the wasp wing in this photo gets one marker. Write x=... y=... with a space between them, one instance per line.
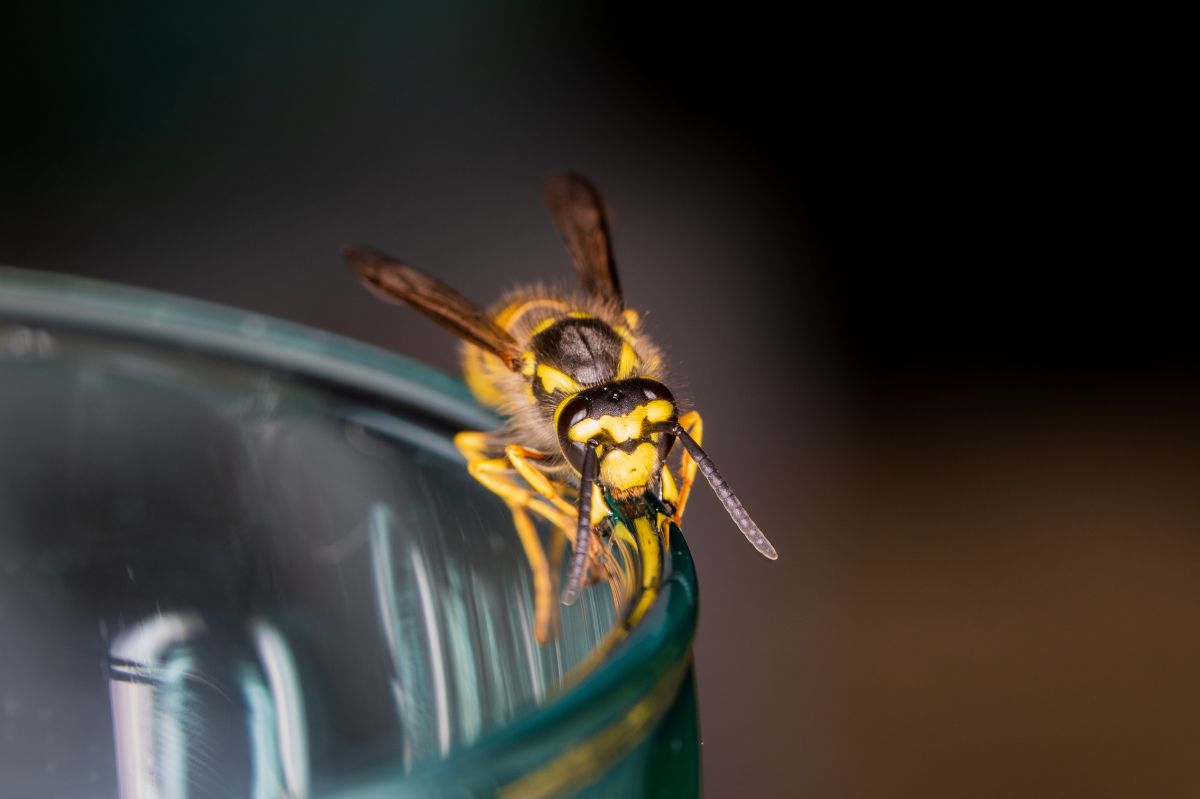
x=400 y=283
x=579 y=216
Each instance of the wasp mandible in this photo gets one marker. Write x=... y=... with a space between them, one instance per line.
x=590 y=423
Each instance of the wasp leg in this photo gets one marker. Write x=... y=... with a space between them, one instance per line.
x=496 y=475
x=543 y=604
x=520 y=458
x=558 y=549
x=694 y=425
x=474 y=444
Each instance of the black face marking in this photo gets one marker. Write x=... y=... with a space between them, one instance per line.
x=585 y=349
x=618 y=399
x=628 y=446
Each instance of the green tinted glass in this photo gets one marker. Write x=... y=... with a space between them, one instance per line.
x=239 y=557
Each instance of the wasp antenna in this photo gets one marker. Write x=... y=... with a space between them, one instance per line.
x=724 y=493
x=583 y=532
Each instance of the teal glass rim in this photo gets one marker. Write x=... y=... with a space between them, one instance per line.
x=556 y=747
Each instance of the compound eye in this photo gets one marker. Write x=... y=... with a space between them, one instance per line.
x=575 y=411
x=664 y=446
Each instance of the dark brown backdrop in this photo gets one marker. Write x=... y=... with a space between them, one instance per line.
x=906 y=279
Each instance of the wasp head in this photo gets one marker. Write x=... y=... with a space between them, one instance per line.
x=627 y=424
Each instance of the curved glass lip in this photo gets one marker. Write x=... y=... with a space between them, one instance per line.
x=648 y=657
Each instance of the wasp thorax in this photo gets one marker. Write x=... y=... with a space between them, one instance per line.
x=628 y=423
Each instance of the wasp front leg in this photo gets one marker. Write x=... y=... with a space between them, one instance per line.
x=520 y=458
x=694 y=425
x=496 y=473
x=545 y=500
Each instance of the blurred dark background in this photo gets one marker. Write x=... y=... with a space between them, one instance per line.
x=912 y=280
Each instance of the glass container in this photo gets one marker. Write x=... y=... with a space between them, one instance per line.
x=240 y=557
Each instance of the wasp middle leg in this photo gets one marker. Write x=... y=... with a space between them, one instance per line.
x=543 y=597
x=496 y=474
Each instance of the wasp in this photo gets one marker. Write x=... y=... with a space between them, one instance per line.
x=590 y=423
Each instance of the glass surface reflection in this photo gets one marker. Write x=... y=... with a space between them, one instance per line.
x=233 y=576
